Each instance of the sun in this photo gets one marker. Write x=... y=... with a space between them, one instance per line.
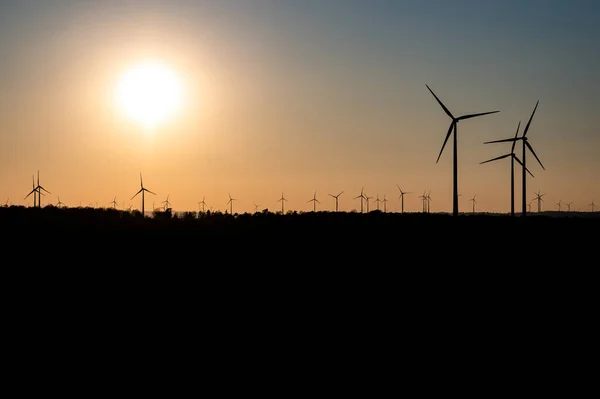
x=149 y=92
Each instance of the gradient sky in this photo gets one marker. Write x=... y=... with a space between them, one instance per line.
x=298 y=96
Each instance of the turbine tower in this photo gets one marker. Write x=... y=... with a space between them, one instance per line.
x=539 y=199
x=336 y=199
x=402 y=194
x=367 y=198
x=142 y=190
x=474 y=202
x=203 y=203
x=513 y=158
x=377 y=201
x=114 y=203
x=559 y=203
x=526 y=146
x=453 y=128
x=282 y=200
x=230 y=203
x=314 y=200
x=362 y=197
x=384 y=200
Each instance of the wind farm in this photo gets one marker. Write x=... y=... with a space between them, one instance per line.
x=303 y=117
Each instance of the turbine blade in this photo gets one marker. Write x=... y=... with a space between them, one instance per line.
x=137 y=193
x=501 y=141
x=145 y=189
x=474 y=115
x=530 y=118
x=442 y=104
x=516 y=134
x=495 y=159
x=445 y=141
x=521 y=163
x=534 y=154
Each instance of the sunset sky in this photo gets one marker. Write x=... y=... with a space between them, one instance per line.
x=299 y=96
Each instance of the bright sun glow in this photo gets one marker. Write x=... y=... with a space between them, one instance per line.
x=149 y=93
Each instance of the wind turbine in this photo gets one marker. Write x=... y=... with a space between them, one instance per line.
x=539 y=199
x=367 y=198
x=377 y=201
x=58 y=204
x=33 y=191
x=384 y=200
x=114 y=203
x=167 y=203
x=203 y=203
x=282 y=199
x=474 y=202
x=428 y=198
x=142 y=190
x=453 y=127
x=230 y=203
x=362 y=197
x=529 y=206
x=513 y=158
x=255 y=207
x=526 y=146
x=424 y=199
x=38 y=189
x=592 y=205
x=559 y=203
x=402 y=194
x=314 y=200
x=336 y=199
x=568 y=204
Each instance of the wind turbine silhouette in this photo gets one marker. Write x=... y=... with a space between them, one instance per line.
x=428 y=198
x=114 y=203
x=568 y=204
x=384 y=200
x=282 y=200
x=314 y=200
x=336 y=199
x=255 y=207
x=592 y=205
x=474 y=202
x=424 y=200
x=58 y=204
x=539 y=199
x=513 y=158
x=529 y=206
x=453 y=128
x=142 y=190
x=33 y=191
x=377 y=201
x=362 y=197
x=203 y=203
x=167 y=203
x=230 y=203
x=367 y=198
x=559 y=203
x=526 y=146
x=38 y=189
x=402 y=194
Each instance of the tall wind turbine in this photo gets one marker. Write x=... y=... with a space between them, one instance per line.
x=367 y=198
x=539 y=199
x=592 y=205
x=428 y=199
x=33 y=191
x=282 y=200
x=362 y=197
x=402 y=194
x=142 y=190
x=203 y=203
x=474 y=202
x=230 y=203
x=37 y=189
x=314 y=200
x=526 y=146
x=59 y=203
x=336 y=199
x=568 y=204
x=513 y=158
x=255 y=207
x=529 y=206
x=559 y=203
x=377 y=201
x=167 y=203
x=424 y=200
x=453 y=128
x=114 y=203
x=384 y=200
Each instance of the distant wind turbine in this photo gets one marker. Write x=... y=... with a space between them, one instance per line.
x=526 y=146
x=59 y=203
x=230 y=203
x=592 y=205
x=513 y=158
x=402 y=194
x=474 y=202
x=114 y=203
x=362 y=197
x=384 y=200
x=203 y=203
x=336 y=199
x=424 y=200
x=314 y=200
x=428 y=201
x=539 y=199
x=167 y=203
x=142 y=190
x=255 y=207
x=453 y=127
x=38 y=189
x=282 y=200
x=367 y=198
x=568 y=204
x=559 y=204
